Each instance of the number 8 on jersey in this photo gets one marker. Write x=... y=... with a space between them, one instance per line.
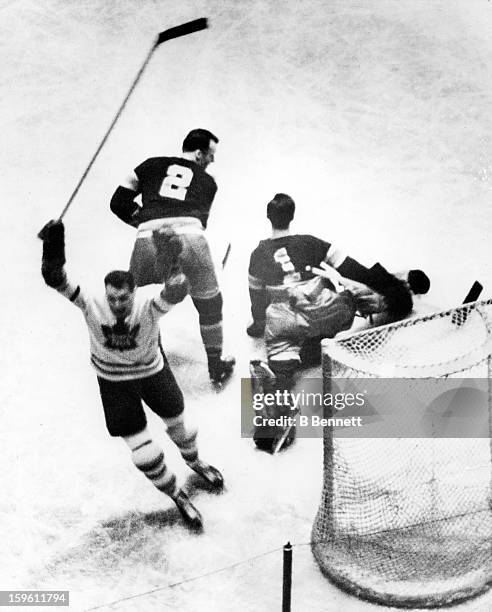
x=176 y=182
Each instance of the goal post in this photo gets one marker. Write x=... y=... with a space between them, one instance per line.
x=408 y=521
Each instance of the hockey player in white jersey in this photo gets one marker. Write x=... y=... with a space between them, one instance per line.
x=131 y=367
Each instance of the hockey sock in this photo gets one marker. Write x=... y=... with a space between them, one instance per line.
x=184 y=438
x=213 y=356
x=210 y=318
x=148 y=457
x=212 y=338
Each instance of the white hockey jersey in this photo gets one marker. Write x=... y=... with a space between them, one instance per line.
x=122 y=350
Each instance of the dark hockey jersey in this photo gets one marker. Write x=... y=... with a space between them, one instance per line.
x=174 y=187
x=279 y=261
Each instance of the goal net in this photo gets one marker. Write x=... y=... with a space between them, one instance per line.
x=408 y=521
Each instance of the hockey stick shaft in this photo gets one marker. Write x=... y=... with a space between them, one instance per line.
x=280 y=443
x=285 y=435
x=226 y=255
x=108 y=132
x=176 y=32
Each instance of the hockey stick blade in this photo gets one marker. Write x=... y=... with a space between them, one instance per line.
x=472 y=296
x=182 y=30
x=177 y=31
x=474 y=293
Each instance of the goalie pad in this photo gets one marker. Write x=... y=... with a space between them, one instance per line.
x=312 y=310
x=274 y=436
x=325 y=312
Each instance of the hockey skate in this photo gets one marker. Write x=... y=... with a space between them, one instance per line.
x=210 y=474
x=256 y=329
x=220 y=369
x=190 y=514
x=272 y=438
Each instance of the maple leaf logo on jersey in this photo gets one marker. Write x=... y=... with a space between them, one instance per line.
x=120 y=336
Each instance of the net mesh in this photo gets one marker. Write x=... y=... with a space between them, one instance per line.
x=408 y=521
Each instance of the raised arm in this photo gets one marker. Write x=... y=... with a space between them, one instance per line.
x=53 y=263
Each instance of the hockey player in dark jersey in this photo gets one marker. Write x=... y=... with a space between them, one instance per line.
x=177 y=193
x=294 y=308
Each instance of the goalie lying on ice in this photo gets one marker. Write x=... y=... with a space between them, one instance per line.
x=293 y=308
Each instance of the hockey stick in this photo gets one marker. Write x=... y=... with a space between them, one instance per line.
x=474 y=293
x=472 y=296
x=182 y=30
x=285 y=435
x=226 y=255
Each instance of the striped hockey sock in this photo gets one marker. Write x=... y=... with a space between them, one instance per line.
x=148 y=457
x=184 y=438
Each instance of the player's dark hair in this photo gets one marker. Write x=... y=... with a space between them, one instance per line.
x=198 y=139
x=419 y=282
x=120 y=279
x=281 y=210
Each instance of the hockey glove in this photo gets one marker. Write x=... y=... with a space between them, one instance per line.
x=397 y=296
x=398 y=300
x=53 y=237
x=176 y=288
x=169 y=247
x=123 y=206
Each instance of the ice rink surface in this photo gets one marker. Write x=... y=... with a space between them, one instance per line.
x=374 y=115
